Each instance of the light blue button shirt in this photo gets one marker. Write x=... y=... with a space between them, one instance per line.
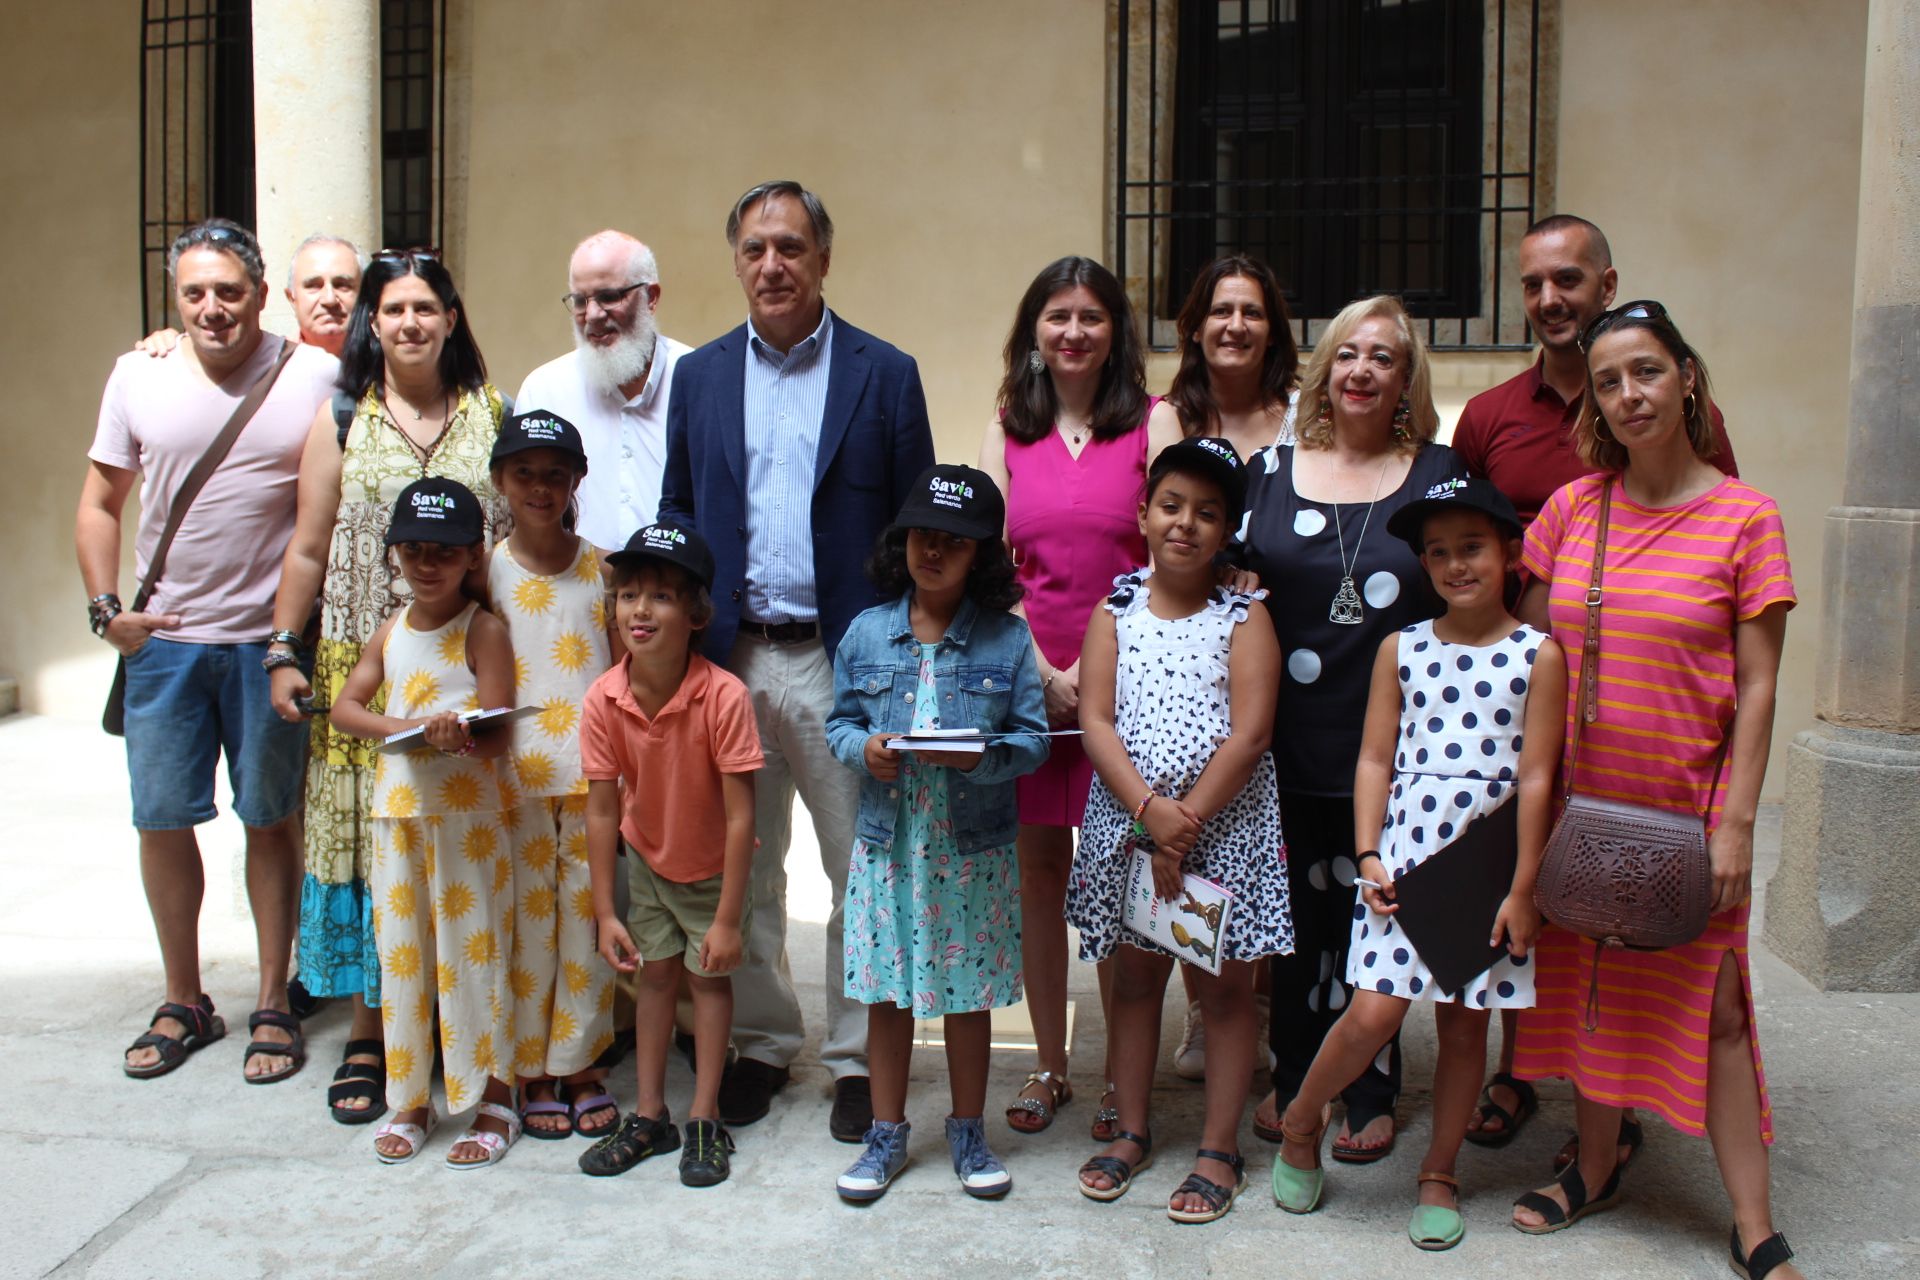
x=785 y=398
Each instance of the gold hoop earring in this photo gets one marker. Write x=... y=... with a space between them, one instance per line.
x=1689 y=406
x=1600 y=431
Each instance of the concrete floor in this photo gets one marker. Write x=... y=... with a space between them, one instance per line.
x=199 y=1175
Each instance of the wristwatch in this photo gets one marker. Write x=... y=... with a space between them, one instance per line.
x=101 y=610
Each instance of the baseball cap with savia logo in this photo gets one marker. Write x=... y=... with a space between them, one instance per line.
x=1208 y=456
x=1409 y=523
x=677 y=544
x=437 y=510
x=954 y=499
x=539 y=429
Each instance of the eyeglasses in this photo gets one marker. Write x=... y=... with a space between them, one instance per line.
x=1645 y=309
x=607 y=298
x=408 y=257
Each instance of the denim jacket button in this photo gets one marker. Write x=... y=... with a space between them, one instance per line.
x=987 y=683
x=909 y=696
x=873 y=686
x=893 y=793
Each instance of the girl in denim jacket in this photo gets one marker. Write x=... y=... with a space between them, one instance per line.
x=933 y=890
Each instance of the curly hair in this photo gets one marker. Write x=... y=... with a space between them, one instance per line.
x=990 y=582
x=1026 y=402
x=1192 y=391
x=1314 y=424
x=1596 y=442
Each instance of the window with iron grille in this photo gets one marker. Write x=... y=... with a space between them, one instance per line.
x=1358 y=146
x=411 y=80
x=196 y=131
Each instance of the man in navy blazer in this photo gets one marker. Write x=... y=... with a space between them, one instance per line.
x=791 y=442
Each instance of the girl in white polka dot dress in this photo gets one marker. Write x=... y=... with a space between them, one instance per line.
x=545 y=584
x=1464 y=718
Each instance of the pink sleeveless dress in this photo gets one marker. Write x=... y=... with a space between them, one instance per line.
x=1073 y=527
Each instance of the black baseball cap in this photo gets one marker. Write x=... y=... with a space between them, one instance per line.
x=1409 y=522
x=1208 y=456
x=954 y=499
x=539 y=429
x=677 y=544
x=437 y=510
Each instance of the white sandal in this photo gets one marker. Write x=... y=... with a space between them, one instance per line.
x=414 y=1135
x=494 y=1144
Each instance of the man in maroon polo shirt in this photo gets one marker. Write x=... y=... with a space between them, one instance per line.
x=1520 y=434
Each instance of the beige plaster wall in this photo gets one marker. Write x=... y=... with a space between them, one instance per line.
x=959 y=148
x=70 y=209
x=1728 y=184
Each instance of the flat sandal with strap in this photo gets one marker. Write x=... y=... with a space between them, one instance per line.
x=1574 y=1187
x=1059 y=1094
x=1435 y=1227
x=1766 y=1255
x=1118 y=1170
x=1299 y=1190
x=1219 y=1199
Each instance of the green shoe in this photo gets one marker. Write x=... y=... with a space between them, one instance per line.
x=1434 y=1227
x=1298 y=1190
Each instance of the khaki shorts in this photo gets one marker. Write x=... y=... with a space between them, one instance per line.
x=668 y=918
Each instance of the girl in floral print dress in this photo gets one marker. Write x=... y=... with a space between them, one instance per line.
x=933 y=890
x=545 y=584
x=442 y=862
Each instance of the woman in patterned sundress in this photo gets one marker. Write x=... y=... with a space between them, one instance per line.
x=1697 y=589
x=1180 y=675
x=1463 y=726
x=933 y=886
x=415 y=403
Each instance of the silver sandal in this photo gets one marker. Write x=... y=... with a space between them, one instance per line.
x=1059 y=1094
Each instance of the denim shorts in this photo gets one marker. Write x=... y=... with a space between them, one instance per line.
x=186 y=703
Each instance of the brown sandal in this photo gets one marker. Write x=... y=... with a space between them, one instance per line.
x=1033 y=1115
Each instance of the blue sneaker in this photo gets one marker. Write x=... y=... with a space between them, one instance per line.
x=980 y=1171
x=879 y=1164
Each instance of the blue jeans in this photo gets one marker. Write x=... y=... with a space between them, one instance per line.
x=186 y=703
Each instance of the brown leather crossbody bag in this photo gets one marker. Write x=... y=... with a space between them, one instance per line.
x=1623 y=874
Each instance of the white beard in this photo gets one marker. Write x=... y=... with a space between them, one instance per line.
x=607 y=369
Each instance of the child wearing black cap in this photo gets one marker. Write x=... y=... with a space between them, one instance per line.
x=669 y=747
x=933 y=885
x=1177 y=694
x=545 y=584
x=1464 y=719
x=441 y=865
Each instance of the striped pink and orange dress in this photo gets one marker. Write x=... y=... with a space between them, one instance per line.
x=1677 y=581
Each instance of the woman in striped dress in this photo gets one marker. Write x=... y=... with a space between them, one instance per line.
x=1697 y=591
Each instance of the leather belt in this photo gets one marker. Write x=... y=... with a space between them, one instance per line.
x=782 y=632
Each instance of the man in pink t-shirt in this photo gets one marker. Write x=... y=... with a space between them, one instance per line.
x=196 y=686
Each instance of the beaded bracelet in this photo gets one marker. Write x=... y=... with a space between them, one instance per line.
x=273 y=661
x=1140 y=813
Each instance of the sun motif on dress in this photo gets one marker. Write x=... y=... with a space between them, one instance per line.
x=399 y=1060
x=533 y=595
x=481 y=948
x=455 y=900
x=452 y=647
x=456 y=1092
x=564 y=1027
x=538 y=852
x=571 y=652
x=583 y=903
x=402 y=802
x=599 y=615
x=587 y=567
x=484 y=1058
x=578 y=978
x=418 y=692
x=446 y=978
x=535 y=770
x=558 y=716
x=400 y=899
x=406 y=835
x=539 y=902
x=461 y=793
x=502 y=874
x=522 y=673
x=529 y=1055
x=403 y=961
x=509 y=799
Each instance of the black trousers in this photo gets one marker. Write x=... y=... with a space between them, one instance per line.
x=1309 y=987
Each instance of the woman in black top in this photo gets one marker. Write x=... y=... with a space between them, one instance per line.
x=1338 y=585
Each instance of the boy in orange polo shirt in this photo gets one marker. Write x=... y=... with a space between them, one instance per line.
x=679 y=733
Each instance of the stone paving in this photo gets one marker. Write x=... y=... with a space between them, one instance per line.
x=198 y=1174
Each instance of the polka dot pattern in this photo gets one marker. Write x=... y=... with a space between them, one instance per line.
x=1462 y=708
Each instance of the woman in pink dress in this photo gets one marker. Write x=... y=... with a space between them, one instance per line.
x=1697 y=589
x=1069 y=445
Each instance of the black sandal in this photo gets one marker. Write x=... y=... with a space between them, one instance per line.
x=1511 y=1122
x=1358 y=1118
x=359 y=1080
x=295 y=1048
x=1632 y=1135
x=1766 y=1255
x=203 y=1025
x=1578 y=1206
x=1219 y=1199
x=1118 y=1170
x=634 y=1139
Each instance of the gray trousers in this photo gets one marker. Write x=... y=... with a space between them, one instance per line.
x=792 y=690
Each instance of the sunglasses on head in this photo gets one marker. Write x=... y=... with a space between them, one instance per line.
x=1644 y=309
x=408 y=257
x=210 y=235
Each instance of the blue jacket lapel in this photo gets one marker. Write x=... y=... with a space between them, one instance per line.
x=847 y=375
x=730 y=399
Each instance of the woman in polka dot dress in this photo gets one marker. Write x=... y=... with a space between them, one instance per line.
x=545 y=584
x=1462 y=721
x=1338 y=584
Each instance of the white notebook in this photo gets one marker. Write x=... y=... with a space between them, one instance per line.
x=476 y=721
x=1191 y=926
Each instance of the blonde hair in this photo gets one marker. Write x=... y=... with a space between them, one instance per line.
x=1314 y=420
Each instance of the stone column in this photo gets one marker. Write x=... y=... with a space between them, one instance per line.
x=1841 y=909
x=316 y=131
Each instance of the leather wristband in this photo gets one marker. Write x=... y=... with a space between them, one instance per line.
x=289 y=638
x=102 y=610
x=273 y=661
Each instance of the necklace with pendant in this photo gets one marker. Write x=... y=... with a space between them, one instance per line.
x=1077 y=436
x=1347 y=609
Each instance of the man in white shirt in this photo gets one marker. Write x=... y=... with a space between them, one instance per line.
x=613 y=385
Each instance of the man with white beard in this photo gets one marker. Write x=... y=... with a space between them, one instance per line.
x=613 y=385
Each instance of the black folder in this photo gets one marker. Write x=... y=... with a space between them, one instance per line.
x=1448 y=903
